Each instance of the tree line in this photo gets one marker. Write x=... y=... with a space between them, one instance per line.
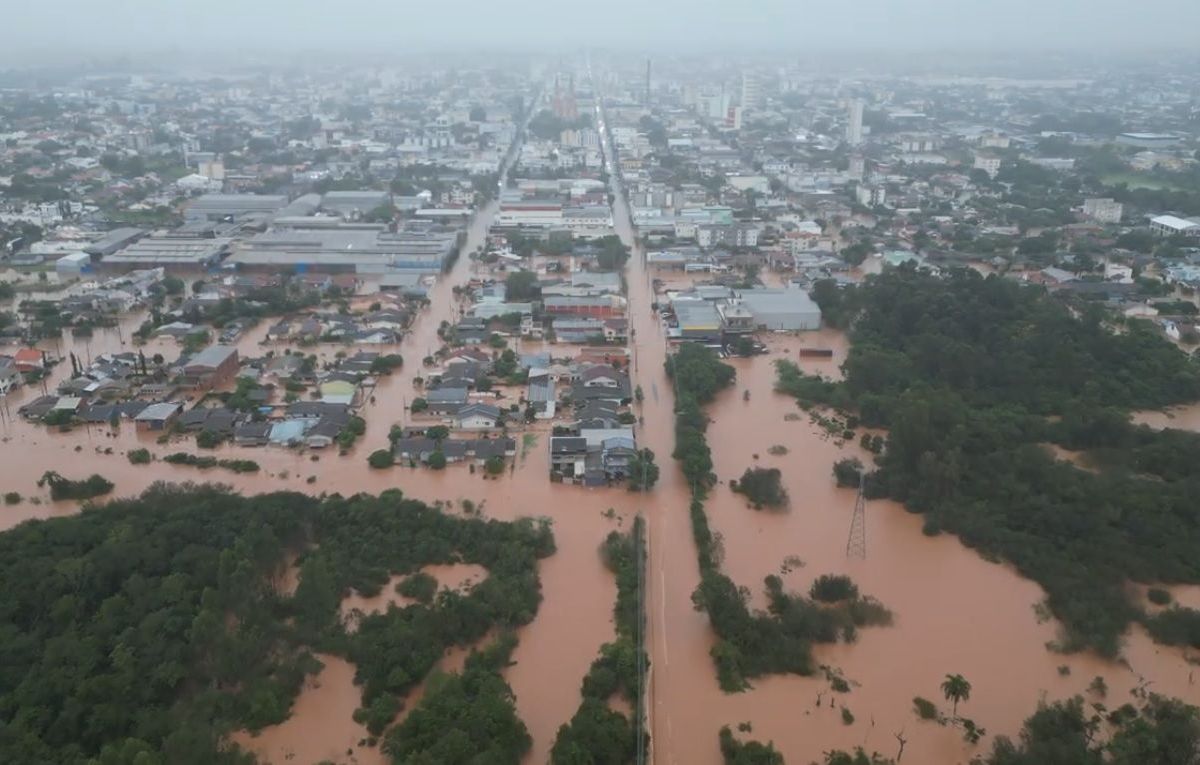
x=749 y=644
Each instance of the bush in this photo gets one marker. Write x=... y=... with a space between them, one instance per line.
x=925 y=709
x=381 y=458
x=848 y=472
x=63 y=488
x=847 y=717
x=1158 y=596
x=421 y=587
x=208 y=439
x=139 y=456
x=12 y=498
x=833 y=588
x=494 y=465
x=418 y=405
x=735 y=752
x=762 y=486
x=437 y=460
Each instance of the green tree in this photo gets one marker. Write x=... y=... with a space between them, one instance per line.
x=381 y=458
x=521 y=286
x=643 y=471
x=956 y=688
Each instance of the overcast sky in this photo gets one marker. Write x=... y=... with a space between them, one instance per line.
x=84 y=26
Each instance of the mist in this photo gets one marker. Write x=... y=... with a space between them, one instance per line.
x=71 y=28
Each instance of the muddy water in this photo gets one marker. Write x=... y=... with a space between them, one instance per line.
x=954 y=612
x=452 y=576
x=1178 y=417
x=317 y=731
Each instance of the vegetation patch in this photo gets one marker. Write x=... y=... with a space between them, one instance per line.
x=169 y=602
x=762 y=486
x=737 y=752
x=65 y=488
x=207 y=463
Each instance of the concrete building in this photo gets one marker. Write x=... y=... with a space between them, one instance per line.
x=172 y=253
x=216 y=207
x=751 y=93
x=1148 y=140
x=346 y=248
x=1103 y=210
x=988 y=163
x=518 y=212
x=784 y=309
x=73 y=266
x=870 y=194
x=211 y=367
x=353 y=205
x=854 y=122
x=1171 y=225
x=697 y=319
x=114 y=241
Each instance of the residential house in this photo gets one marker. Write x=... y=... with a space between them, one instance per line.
x=213 y=366
x=157 y=416
x=477 y=417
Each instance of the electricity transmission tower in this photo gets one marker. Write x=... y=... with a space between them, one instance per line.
x=856 y=544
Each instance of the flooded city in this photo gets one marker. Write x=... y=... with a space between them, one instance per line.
x=524 y=376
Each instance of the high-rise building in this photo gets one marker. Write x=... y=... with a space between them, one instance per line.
x=751 y=93
x=854 y=123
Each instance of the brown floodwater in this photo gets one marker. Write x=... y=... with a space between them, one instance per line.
x=1178 y=417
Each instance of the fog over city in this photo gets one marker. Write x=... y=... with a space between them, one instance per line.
x=70 y=27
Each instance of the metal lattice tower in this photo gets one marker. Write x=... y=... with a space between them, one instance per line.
x=856 y=544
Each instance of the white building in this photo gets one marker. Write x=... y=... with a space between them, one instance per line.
x=751 y=93
x=1103 y=210
x=987 y=163
x=870 y=194
x=1170 y=225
